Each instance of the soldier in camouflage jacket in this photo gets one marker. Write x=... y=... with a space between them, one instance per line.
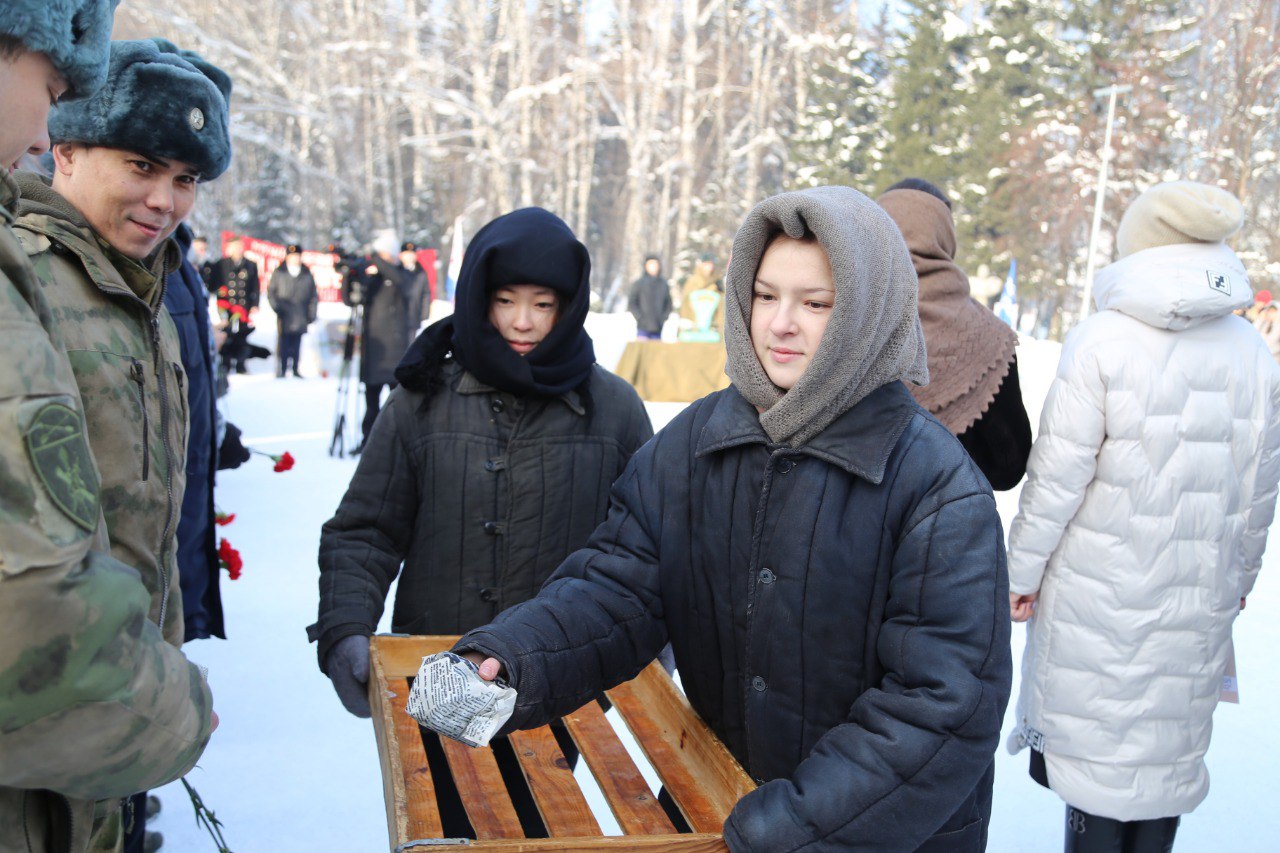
x=94 y=704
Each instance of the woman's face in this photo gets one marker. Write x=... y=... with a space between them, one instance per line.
x=792 y=302
x=523 y=314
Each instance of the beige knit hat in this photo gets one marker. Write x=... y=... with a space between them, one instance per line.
x=1178 y=212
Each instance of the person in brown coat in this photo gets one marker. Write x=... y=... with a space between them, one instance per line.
x=973 y=369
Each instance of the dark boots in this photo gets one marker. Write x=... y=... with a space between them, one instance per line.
x=1086 y=833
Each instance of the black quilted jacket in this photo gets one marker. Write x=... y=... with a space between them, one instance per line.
x=839 y=614
x=479 y=493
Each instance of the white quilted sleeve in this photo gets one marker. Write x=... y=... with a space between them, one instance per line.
x=1063 y=460
x=1262 y=507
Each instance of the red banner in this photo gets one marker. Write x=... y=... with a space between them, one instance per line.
x=269 y=255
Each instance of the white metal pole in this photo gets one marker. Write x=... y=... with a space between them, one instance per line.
x=1103 y=168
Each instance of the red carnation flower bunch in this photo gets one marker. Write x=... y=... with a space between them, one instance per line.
x=222 y=519
x=229 y=559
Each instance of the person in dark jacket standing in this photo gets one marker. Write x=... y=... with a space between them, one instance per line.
x=186 y=299
x=198 y=255
x=292 y=295
x=419 y=286
x=387 y=292
x=973 y=369
x=649 y=300
x=492 y=461
x=235 y=282
x=823 y=556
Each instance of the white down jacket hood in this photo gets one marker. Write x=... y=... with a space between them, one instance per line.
x=1142 y=523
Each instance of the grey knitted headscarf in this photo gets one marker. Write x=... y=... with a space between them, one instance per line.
x=873 y=337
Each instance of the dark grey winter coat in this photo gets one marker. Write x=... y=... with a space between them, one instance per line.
x=649 y=301
x=293 y=298
x=838 y=612
x=480 y=493
x=387 y=330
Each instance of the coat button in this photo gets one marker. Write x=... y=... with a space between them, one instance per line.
x=767 y=576
x=497 y=407
x=785 y=466
x=489 y=594
x=758 y=684
x=492 y=528
x=490 y=465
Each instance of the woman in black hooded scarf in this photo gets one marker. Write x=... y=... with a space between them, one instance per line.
x=489 y=464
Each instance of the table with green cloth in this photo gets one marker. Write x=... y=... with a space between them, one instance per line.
x=675 y=372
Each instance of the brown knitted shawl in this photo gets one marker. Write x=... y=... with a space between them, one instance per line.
x=970 y=350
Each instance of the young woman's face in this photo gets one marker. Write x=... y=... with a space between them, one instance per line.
x=523 y=314
x=792 y=302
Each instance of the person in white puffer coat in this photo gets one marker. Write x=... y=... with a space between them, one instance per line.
x=1142 y=524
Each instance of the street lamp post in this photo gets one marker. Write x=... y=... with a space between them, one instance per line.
x=1111 y=92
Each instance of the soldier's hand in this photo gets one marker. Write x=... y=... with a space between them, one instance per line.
x=348 y=668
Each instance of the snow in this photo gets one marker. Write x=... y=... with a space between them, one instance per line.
x=290 y=770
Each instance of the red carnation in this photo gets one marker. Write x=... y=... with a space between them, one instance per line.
x=223 y=304
x=283 y=462
x=222 y=519
x=240 y=311
x=229 y=559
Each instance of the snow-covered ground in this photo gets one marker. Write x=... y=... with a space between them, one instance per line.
x=290 y=770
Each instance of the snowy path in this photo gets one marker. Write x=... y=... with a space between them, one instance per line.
x=290 y=770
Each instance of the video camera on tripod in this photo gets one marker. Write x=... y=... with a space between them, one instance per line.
x=352 y=269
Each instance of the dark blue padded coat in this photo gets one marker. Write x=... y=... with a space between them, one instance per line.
x=839 y=615
x=188 y=303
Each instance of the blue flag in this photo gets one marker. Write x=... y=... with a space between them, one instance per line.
x=1007 y=307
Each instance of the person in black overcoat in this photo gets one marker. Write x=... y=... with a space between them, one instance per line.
x=292 y=295
x=387 y=293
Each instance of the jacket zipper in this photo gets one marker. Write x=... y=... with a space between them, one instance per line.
x=139 y=376
x=165 y=570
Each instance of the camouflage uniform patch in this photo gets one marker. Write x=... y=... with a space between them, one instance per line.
x=60 y=455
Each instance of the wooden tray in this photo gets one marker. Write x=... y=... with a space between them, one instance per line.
x=695 y=768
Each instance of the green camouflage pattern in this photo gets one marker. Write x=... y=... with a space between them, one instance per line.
x=125 y=353
x=94 y=703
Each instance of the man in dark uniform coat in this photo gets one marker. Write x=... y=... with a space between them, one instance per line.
x=387 y=290
x=421 y=295
x=236 y=281
x=292 y=295
x=199 y=257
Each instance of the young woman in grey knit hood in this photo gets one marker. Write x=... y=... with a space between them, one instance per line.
x=821 y=553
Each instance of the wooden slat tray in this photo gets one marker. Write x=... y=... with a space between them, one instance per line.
x=696 y=770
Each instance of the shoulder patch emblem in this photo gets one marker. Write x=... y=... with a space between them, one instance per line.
x=60 y=454
x=1219 y=282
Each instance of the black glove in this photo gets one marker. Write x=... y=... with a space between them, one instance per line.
x=232 y=453
x=348 y=668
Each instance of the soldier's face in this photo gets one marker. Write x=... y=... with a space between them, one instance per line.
x=29 y=85
x=523 y=314
x=134 y=202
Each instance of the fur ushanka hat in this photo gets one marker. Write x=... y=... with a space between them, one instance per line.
x=159 y=102
x=74 y=34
